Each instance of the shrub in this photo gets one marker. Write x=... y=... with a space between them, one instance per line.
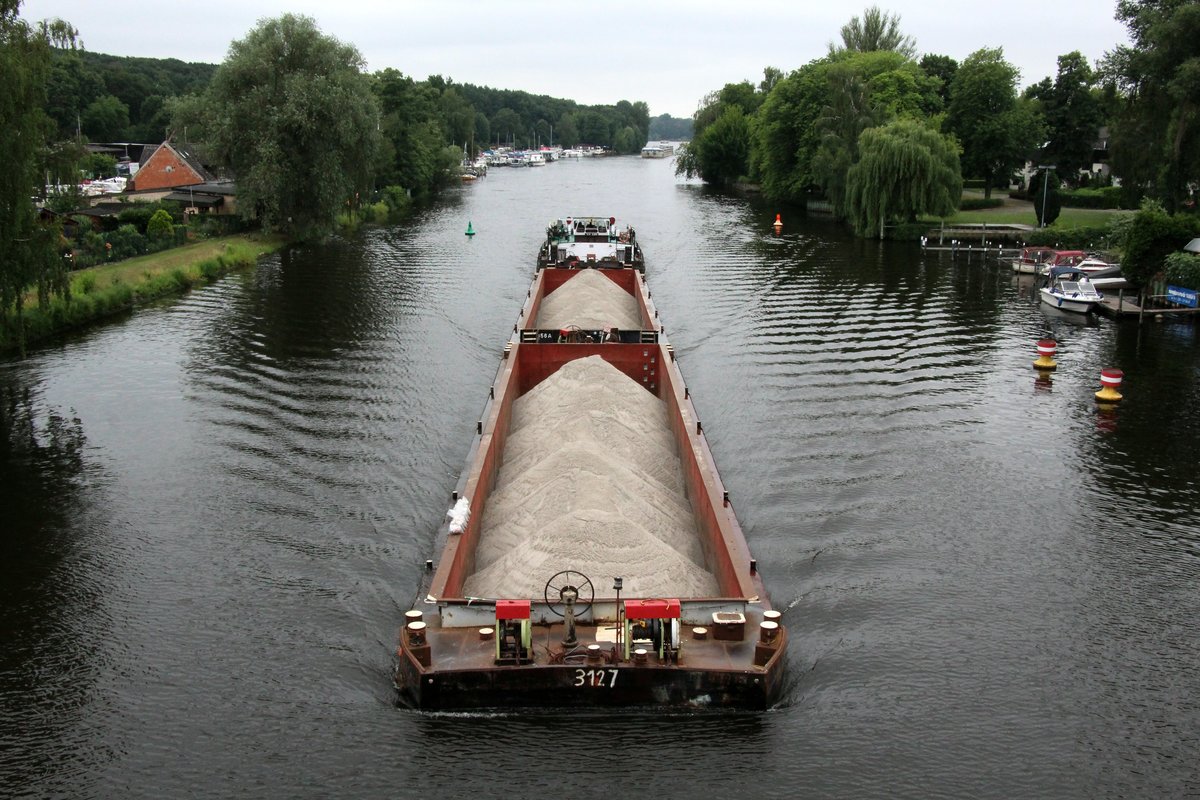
x=397 y=199
x=85 y=283
x=1047 y=200
x=160 y=227
x=1085 y=237
x=976 y=203
x=1106 y=197
x=1183 y=269
x=140 y=214
x=126 y=242
x=1152 y=237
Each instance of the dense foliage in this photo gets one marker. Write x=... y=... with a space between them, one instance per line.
x=996 y=131
x=664 y=126
x=1156 y=136
x=1152 y=236
x=292 y=113
x=904 y=169
x=28 y=255
x=1072 y=113
x=109 y=98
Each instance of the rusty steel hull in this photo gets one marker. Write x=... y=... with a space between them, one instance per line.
x=711 y=674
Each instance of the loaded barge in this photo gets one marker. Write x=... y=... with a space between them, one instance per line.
x=591 y=555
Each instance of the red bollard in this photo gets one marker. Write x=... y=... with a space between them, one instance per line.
x=1110 y=380
x=1046 y=349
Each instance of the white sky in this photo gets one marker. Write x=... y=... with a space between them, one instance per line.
x=668 y=53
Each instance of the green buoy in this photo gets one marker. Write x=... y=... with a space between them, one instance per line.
x=470 y=230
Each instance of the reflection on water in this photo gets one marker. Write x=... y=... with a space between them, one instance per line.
x=220 y=508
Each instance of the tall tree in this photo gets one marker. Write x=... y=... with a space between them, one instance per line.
x=1156 y=141
x=27 y=253
x=721 y=154
x=942 y=68
x=1072 y=114
x=905 y=169
x=849 y=113
x=996 y=132
x=291 y=112
x=876 y=30
x=789 y=130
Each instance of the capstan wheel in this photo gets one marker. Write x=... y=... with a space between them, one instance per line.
x=564 y=583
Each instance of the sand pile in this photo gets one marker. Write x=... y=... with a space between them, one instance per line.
x=590 y=483
x=590 y=301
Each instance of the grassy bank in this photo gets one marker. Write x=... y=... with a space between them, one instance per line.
x=107 y=289
x=1020 y=212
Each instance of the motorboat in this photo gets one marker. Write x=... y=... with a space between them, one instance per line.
x=1032 y=260
x=1070 y=289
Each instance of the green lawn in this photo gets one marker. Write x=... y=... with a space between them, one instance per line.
x=1020 y=212
x=106 y=289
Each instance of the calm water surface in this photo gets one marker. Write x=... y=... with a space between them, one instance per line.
x=216 y=510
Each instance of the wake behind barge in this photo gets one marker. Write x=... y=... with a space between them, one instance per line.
x=579 y=640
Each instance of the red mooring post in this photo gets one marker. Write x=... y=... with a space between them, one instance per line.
x=1046 y=349
x=1110 y=381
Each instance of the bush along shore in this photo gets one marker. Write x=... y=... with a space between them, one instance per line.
x=108 y=289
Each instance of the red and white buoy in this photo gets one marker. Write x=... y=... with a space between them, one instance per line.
x=1046 y=349
x=777 y=224
x=1110 y=381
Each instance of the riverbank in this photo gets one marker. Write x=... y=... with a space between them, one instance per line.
x=107 y=289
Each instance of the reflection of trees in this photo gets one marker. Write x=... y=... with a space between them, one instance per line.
x=41 y=465
x=41 y=458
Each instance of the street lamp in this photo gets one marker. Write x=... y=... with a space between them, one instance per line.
x=1045 y=187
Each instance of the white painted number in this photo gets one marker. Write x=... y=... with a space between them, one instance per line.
x=600 y=678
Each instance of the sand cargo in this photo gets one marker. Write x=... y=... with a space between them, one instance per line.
x=590 y=554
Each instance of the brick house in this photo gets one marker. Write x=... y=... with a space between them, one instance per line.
x=167 y=167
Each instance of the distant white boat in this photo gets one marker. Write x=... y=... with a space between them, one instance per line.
x=660 y=150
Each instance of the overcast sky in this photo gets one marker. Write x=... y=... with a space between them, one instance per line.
x=667 y=53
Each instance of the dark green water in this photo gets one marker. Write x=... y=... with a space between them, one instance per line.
x=216 y=511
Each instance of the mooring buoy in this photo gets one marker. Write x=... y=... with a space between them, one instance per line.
x=1110 y=380
x=1046 y=349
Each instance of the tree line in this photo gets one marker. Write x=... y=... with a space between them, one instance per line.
x=292 y=113
x=884 y=138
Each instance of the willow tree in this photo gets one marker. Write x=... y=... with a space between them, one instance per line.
x=28 y=256
x=292 y=113
x=904 y=170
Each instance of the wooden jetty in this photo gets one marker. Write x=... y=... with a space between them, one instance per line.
x=1120 y=305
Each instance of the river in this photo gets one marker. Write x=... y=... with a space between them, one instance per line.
x=217 y=509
